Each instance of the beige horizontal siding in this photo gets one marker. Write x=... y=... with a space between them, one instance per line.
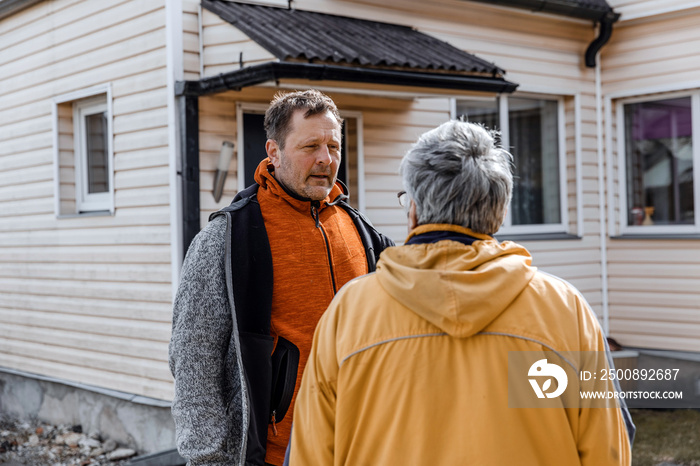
x=653 y=283
x=143 y=206
x=656 y=320
x=138 y=201
x=89 y=254
x=112 y=345
x=652 y=54
x=100 y=373
x=140 y=332
x=225 y=47
x=157 y=273
x=86 y=298
x=190 y=26
x=44 y=75
x=631 y=10
x=67 y=305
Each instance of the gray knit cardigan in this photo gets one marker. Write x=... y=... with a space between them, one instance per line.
x=210 y=406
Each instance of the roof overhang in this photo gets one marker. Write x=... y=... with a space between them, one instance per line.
x=597 y=11
x=589 y=10
x=276 y=71
x=10 y=7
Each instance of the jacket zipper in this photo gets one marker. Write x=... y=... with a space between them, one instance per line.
x=314 y=215
x=273 y=420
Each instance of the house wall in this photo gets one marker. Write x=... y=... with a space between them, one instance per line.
x=86 y=298
x=190 y=39
x=654 y=283
x=226 y=48
x=543 y=53
x=638 y=9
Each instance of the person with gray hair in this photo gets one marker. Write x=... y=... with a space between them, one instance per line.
x=411 y=364
x=455 y=174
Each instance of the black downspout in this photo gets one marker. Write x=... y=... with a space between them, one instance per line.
x=189 y=146
x=606 y=26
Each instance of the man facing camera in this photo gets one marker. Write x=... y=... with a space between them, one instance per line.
x=254 y=283
x=410 y=365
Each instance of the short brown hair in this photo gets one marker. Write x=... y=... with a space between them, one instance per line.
x=279 y=116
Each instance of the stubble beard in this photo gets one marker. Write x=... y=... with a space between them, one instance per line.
x=305 y=189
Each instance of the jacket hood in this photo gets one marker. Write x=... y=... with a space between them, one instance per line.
x=459 y=288
x=265 y=178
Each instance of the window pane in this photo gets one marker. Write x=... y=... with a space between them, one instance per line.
x=479 y=111
x=534 y=143
x=659 y=157
x=96 y=133
x=347 y=172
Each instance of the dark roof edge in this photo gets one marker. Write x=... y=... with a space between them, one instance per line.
x=10 y=7
x=557 y=7
x=273 y=71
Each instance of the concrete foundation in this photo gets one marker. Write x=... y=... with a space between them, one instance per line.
x=140 y=423
x=684 y=366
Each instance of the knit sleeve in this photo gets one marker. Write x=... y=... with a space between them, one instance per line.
x=208 y=404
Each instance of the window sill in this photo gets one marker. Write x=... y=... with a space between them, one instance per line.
x=536 y=237
x=97 y=213
x=660 y=236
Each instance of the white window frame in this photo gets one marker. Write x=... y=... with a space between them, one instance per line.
x=86 y=201
x=246 y=107
x=360 y=157
x=562 y=227
x=241 y=108
x=85 y=102
x=655 y=230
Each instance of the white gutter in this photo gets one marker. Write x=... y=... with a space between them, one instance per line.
x=601 y=197
x=175 y=72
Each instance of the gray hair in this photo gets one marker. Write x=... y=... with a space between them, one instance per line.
x=278 y=117
x=457 y=174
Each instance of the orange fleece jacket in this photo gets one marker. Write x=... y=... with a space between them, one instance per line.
x=310 y=264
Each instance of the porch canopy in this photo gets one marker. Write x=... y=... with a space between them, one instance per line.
x=321 y=47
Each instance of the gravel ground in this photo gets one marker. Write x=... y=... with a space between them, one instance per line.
x=40 y=444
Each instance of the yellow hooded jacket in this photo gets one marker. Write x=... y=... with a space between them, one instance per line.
x=409 y=365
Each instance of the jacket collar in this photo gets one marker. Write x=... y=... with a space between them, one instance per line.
x=435 y=232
